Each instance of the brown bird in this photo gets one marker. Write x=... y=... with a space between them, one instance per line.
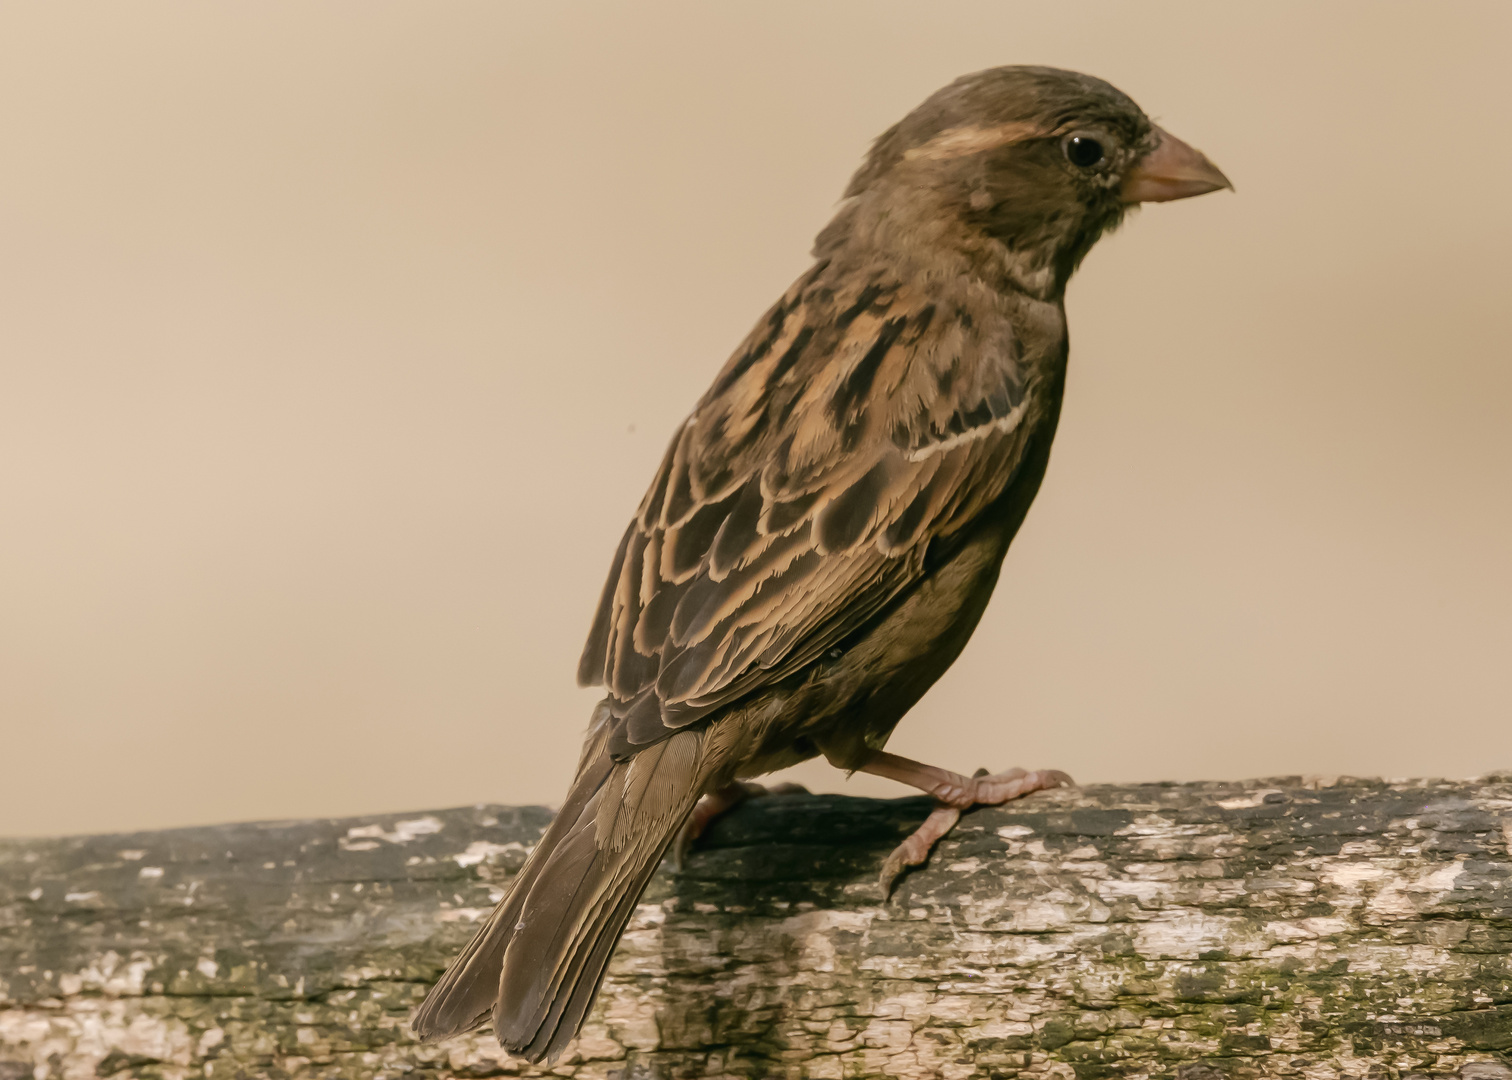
x=827 y=526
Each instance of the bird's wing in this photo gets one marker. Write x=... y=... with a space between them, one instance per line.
x=855 y=426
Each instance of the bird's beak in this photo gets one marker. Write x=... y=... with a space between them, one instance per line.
x=1173 y=170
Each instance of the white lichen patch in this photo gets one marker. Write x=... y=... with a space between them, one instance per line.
x=363 y=837
x=1013 y=832
x=463 y=914
x=485 y=850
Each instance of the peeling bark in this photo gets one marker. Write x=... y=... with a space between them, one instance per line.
x=1282 y=928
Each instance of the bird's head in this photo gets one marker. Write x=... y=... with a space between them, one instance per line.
x=1022 y=166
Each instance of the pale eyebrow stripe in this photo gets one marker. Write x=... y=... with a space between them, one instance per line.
x=963 y=141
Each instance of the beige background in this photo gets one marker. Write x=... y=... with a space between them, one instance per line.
x=338 y=341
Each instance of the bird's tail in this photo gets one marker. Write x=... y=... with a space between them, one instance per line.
x=536 y=964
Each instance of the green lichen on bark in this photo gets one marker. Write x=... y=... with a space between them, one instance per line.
x=1279 y=928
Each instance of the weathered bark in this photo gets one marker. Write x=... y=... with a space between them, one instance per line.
x=1283 y=928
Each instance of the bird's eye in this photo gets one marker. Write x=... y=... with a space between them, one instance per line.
x=1084 y=151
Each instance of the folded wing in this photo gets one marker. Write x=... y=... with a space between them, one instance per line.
x=851 y=431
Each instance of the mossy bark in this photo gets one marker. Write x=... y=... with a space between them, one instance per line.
x=1283 y=928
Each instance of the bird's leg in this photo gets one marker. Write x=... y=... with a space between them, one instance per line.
x=954 y=794
x=718 y=803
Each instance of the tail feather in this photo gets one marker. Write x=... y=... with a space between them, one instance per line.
x=463 y=998
x=571 y=1003
x=536 y=965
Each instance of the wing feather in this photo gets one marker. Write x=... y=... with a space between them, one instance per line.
x=855 y=427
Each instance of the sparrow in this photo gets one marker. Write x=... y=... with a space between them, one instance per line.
x=828 y=524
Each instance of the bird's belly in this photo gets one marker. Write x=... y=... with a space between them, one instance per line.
x=844 y=705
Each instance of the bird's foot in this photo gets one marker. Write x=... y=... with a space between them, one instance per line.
x=953 y=794
x=718 y=803
x=984 y=789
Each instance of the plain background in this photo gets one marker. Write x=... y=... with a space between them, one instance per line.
x=339 y=340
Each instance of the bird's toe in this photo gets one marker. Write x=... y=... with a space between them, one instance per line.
x=916 y=847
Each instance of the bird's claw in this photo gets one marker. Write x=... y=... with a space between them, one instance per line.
x=917 y=846
x=1014 y=784
x=982 y=789
x=718 y=803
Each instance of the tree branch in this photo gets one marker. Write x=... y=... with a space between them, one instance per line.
x=1281 y=928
